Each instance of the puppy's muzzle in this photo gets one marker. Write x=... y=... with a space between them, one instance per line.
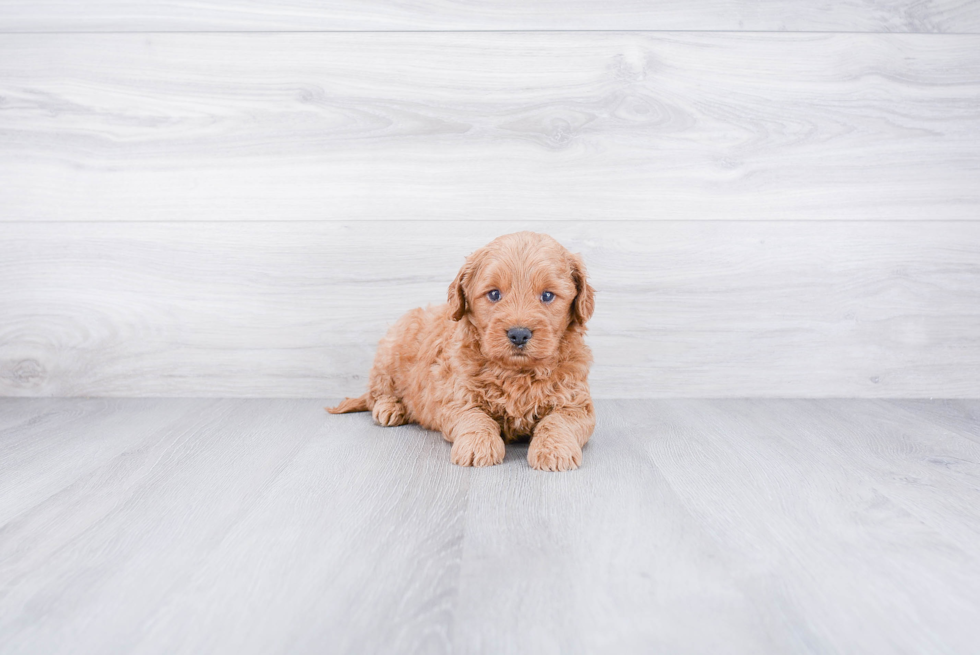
x=519 y=336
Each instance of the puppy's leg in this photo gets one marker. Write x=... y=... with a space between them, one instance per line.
x=559 y=437
x=387 y=410
x=475 y=438
x=397 y=347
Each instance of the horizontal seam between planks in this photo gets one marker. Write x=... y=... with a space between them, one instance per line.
x=501 y=220
x=502 y=31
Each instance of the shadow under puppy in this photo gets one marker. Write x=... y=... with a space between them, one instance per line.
x=504 y=359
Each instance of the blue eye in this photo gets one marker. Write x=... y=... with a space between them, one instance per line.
x=547 y=296
x=493 y=296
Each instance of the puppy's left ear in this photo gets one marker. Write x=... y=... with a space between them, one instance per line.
x=584 y=303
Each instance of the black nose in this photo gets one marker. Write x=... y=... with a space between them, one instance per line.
x=519 y=336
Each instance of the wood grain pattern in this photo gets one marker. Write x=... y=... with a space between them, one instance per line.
x=303 y=15
x=683 y=309
x=489 y=126
x=628 y=567
x=959 y=416
x=266 y=526
x=845 y=528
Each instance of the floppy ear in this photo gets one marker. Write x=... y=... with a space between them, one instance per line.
x=457 y=297
x=584 y=303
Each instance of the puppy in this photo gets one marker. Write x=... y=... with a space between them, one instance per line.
x=504 y=359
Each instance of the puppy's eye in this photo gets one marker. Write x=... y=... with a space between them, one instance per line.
x=547 y=296
x=493 y=296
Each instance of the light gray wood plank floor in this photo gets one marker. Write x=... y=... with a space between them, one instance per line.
x=261 y=526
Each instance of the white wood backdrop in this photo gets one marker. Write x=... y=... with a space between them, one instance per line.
x=220 y=211
x=550 y=126
x=684 y=308
x=304 y=15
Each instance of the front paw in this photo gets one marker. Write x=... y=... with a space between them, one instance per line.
x=554 y=454
x=477 y=449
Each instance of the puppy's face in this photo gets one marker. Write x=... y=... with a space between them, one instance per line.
x=522 y=292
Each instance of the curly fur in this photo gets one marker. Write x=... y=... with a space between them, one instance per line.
x=453 y=369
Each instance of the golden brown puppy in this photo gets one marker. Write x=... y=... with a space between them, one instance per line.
x=504 y=359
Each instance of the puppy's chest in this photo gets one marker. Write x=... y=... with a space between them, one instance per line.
x=517 y=405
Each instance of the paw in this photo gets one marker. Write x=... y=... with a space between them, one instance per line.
x=388 y=412
x=551 y=454
x=477 y=449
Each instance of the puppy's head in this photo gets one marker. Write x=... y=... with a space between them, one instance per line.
x=522 y=292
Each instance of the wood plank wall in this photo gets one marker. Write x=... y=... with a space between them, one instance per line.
x=235 y=198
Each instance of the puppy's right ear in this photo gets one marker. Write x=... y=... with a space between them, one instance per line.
x=457 y=294
x=457 y=297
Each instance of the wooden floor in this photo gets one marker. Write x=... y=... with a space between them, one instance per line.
x=263 y=526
